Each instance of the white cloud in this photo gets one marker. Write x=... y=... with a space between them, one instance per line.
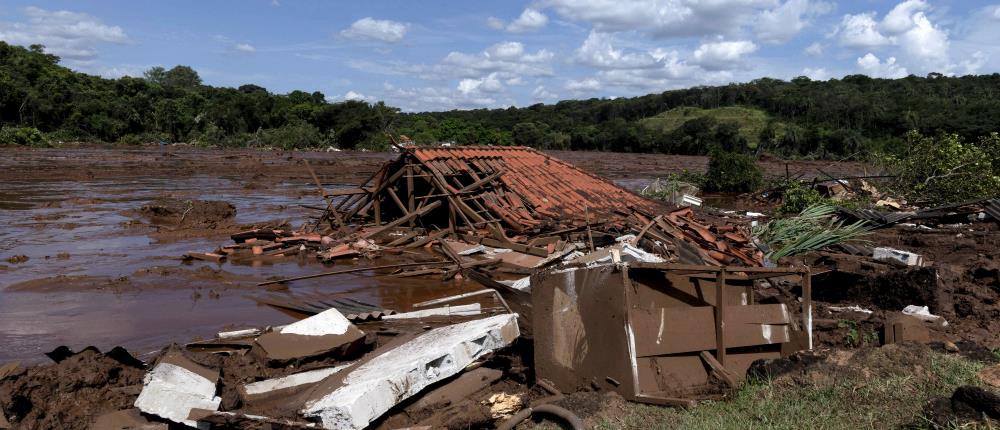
x=726 y=55
x=663 y=18
x=432 y=98
x=926 y=42
x=874 y=67
x=901 y=17
x=70 y=35
x=587 y=85
x=817 y=74
x=972 y=65
x=495 y=23
x=540 y=93
x=920 y=42
x=996 y=13
x=597 y=51
x=780 y=24
x=814 y=49
x=487 y=84
x=351 y=95
x=530 y=20
x=376 y=29
x=861 y=31
x=509 y=59
x=245 y=48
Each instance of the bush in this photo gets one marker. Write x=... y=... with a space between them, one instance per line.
x=28 y=136
x=945 y=169
x=144 y=138
x=298 y=135
x=797 y=197
x=732 y=172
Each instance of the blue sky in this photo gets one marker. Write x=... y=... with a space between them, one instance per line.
x=436 y=55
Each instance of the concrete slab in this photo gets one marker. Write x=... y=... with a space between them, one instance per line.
x=373 y=388
x=175 y=386
x=327 y=332
x=269 y=388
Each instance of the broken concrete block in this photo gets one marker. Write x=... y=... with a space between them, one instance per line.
x=470 y=309
x=373 y=388
x=285 y=385
x=175 y=386
x=905 y=257
x=327 y=332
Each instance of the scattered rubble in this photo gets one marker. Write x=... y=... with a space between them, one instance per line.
x=588 y=287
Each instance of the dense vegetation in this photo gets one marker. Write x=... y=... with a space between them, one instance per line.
x=850 y=117
x=827 y=119
x=170 y=105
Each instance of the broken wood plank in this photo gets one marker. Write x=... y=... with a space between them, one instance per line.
x=359 y=269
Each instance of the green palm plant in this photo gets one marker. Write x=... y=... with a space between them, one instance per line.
x=812 y=229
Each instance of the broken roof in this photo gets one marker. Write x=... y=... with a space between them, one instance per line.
x=550 y=186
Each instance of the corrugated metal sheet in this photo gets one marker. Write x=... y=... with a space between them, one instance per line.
x=992 y=208
x=552 y=187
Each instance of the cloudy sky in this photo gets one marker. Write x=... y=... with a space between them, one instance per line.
x=436 y=55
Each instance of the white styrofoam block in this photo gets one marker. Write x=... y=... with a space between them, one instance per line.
x=330 y=321
x=924 y=313
x=905 y=257
x=470 y=309
x=373 y=388
x=293 y=380
x=171 y=391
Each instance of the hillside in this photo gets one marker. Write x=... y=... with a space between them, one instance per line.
x=751 y=121
x=42 y=101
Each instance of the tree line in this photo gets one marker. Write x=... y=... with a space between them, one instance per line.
x=838 y=118
x=172 y=105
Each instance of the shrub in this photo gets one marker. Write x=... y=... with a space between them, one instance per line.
x=732 y=172
x=297 y=135
x=28 y=136
x=797 y=197
x=945 y=169
x=144 y=138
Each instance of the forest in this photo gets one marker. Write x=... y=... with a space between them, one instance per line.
x=43 y=103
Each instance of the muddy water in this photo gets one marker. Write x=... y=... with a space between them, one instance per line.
x=97 y=276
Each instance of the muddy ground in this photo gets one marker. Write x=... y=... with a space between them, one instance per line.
x=93 y=238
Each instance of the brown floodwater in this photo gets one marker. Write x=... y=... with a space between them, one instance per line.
x=96 y=277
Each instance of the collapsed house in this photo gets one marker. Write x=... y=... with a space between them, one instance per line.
x=524 y=200
x=616 y=292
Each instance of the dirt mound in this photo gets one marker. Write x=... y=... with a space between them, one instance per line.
x=179 y=213
x=827 y=367
x=968 y=404
x=71 y=393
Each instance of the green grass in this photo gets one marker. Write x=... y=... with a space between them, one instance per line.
x=751 y=120
x=878 y=398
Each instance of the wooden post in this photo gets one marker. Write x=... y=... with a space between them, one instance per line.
x=378 y=208
x=410 y=191
x=720 y=317
x=807 y=317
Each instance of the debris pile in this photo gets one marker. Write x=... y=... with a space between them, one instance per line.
x=586 y=286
